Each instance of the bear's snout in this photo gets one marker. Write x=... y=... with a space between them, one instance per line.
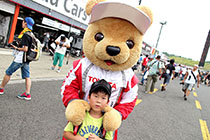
x=113 y=50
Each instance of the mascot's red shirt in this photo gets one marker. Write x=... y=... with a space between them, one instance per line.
x=80 y=78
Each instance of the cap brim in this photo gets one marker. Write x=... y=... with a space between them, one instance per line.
x=101 y=86
x=30 y=27
x=120 y=10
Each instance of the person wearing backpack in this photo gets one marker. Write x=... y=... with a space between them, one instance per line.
x=91 y=127
x=191 y=77
x=20 y=61
x=154 y=70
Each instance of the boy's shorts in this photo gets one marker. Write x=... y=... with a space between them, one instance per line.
x=189 y=86
x=15 y=66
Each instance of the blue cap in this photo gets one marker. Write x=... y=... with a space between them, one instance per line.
x=30 y=22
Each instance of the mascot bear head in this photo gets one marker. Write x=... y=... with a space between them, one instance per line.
x=113 y=38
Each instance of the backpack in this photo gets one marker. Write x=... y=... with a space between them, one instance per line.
x=34 y=52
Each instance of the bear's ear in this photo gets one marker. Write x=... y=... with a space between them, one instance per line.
x=147 y=11
x=90 y=4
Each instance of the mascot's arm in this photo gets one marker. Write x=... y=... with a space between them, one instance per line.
x=71 y=85
x=128 y=98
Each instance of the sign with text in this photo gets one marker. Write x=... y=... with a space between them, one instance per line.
x=74 y=9
x=55 y=24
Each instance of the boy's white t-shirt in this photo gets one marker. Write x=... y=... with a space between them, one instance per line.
x=190 y=78
x=59 y=49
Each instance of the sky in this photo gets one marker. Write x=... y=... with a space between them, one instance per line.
x=186 y=31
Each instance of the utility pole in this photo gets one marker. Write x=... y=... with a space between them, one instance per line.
x=205 y=51
x=162 y=23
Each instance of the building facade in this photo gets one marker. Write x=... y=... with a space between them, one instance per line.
x=53 y=16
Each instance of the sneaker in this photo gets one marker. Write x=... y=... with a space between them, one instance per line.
x=52 y=68
x=185 y=98
x=151 y=92
x=25 y=96
x=145 y=92
x=163 y=88
x=58 y=70
x=1 y=91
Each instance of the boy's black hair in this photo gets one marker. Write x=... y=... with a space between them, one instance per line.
x=63 y=37
x=101 y=86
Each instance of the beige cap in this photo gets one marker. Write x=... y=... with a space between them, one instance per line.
x=121 y=10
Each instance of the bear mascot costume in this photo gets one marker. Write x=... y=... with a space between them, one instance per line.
x=112 y=45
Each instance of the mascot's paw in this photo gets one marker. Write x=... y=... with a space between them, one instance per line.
x=112 y=119
x=75 y=111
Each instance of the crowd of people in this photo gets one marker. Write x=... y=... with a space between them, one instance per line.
x=151 y=67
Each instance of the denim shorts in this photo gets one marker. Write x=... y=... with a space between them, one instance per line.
x=189 y=86
x=25 y=71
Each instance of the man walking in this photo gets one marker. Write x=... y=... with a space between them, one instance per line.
x=169 y=72
x=20 y=60
x=154 y=67
x=191 y=77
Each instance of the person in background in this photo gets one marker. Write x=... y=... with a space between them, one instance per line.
x=144 y=64
x=207 y=79
x=169 y=72
x=177 y=70
x=154 y=69
x=144 y=76
x=62 y=44
x=20 y=61
x=190 y=79
x=45 y=42
x=184 y=70
x=139 y=62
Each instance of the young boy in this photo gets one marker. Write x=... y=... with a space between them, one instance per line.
x=90 y=129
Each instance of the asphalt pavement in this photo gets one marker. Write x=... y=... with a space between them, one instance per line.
x=158 y=116
x=40 y=70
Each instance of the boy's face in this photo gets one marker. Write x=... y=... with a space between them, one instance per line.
x=98 y=101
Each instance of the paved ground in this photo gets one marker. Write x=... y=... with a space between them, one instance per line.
x=159 y=116
x=39 y=69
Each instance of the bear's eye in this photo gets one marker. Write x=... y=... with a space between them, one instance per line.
x=99 y=37
x=130 y=44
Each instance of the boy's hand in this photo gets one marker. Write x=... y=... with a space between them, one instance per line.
x=93 y=137
x=13 y=46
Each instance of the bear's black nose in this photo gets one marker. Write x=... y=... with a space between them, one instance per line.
x=112 y=50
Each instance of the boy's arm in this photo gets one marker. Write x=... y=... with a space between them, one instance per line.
x=70 y=136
